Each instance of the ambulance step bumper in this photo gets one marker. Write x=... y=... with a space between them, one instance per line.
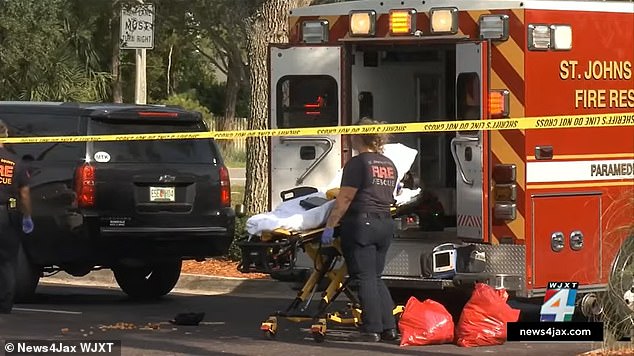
x=417 y=283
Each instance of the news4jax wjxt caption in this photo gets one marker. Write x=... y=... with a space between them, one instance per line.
x=556 y=319
x=63 y=347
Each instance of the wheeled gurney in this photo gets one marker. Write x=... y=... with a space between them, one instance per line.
x=275 y=252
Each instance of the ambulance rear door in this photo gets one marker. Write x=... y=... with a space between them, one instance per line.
x=305 y=89
x=467 y=146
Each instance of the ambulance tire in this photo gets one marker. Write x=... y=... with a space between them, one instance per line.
x=27 y=278
x=618 y=314
x=148 y=282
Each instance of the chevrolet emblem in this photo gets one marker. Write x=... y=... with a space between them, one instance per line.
x=167 y=178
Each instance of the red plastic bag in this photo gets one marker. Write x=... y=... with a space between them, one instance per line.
x=484 y=317
x=425 y=323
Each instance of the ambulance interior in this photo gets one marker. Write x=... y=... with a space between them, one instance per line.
x=416 y=84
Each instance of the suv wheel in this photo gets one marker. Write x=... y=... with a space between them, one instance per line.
x=150 y=281
x=27 y=277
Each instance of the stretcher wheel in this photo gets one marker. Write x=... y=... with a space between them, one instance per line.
x=269 y=335
x=269 y=328
x=319 y=337
x=318 y=331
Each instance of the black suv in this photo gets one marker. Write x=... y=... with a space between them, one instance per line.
x=136 y=207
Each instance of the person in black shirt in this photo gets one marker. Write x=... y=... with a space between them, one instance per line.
x=363 y=207
x=14 y=180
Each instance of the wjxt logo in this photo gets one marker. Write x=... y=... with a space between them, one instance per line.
x=559 y=302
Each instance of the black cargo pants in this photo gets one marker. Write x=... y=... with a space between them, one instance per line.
x=364 y=243
x=9 y=246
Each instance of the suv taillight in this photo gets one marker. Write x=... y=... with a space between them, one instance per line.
x=85 y=186
x=225 y=187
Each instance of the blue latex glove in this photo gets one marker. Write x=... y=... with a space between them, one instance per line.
x=27 y=224
x=326 y=236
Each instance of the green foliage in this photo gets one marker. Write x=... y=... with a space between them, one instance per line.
x=241 y=234
x=188 y=102
x=39 y=58
x=234 y=158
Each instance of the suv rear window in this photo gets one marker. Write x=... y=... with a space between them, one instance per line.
x=164 y=151
x=30 y=124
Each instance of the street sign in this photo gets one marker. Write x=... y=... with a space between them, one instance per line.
x=137 y=27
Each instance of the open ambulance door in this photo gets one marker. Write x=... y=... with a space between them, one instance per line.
x=467 y=146
x=305 y=89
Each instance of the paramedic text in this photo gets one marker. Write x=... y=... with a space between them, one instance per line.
x=555 y=331
x=65 y=347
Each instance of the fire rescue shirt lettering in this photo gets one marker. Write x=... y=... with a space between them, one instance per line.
x=374 y=175
x=12 y=176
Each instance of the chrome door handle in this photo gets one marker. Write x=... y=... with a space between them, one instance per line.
x=557 y=241
x=457 y=159
x=576 y=240
x=325 y=140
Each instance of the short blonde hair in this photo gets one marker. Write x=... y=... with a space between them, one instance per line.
x=373 y=141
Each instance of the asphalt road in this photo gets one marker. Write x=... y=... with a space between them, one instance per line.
x=230 y=327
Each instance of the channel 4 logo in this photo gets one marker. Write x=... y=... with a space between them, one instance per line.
x=559 y=302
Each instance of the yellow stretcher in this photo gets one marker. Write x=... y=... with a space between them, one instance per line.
x=275 y=252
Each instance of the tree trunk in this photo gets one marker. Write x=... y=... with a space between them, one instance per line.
x=117 y=91
x=232 y=88
x=267 y=25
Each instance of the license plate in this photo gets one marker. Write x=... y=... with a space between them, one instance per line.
x=162 y=194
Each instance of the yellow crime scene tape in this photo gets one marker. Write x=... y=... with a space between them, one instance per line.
x=545 y=122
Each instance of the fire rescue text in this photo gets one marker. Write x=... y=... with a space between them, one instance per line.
x=599 y=70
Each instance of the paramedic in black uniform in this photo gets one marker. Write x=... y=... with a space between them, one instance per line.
x=14 y=193
x=363 y=207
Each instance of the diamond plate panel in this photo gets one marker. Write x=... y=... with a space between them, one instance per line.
x=399 y=265
x=504 y=259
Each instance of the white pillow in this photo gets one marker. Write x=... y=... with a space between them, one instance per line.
x=402 y=156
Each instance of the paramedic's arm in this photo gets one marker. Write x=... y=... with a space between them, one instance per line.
x=344 y=198
x=25 y=200
x=23 y=180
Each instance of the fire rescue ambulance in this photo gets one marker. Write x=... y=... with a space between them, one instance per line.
x=537 y=205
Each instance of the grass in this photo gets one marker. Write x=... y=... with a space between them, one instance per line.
x=237 y=194
x=235 y=159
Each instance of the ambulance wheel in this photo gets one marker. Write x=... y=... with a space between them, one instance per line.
x=150 y=281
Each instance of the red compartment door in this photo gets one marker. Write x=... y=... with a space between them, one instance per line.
x=566 y=239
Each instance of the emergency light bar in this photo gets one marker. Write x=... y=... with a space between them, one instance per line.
x=494 y=27
x=402 y=22
x=538 y=37
x=543 y=37
x=444 y=20
x=561 y=37
x=362 y=23
x=315 y=31
x=499 y=104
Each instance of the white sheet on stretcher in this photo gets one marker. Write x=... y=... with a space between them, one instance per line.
x=291 y=216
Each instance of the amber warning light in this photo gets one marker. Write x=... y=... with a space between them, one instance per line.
x=402 y=22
